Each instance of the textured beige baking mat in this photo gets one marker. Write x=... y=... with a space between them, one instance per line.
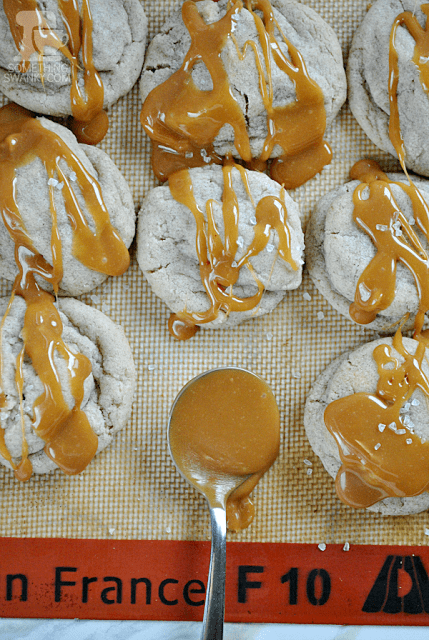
x=132 y=490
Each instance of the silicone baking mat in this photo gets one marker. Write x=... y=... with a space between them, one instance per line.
x=132 y=491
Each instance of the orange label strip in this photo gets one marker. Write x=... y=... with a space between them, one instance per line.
x=159 y=580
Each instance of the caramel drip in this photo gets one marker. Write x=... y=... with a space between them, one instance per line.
x=24 y=17
x=395 y=240
x=219 y=268
x=380 y=455
x=69 y=438
x=183 y=121
x=226 y=422
x=421 y=54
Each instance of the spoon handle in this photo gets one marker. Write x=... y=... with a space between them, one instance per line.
x=215 y=599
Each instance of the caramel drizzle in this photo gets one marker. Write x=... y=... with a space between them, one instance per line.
x=381 y=456
x=69 y=438
x=421 y=54
x=183 y=121
x=395 y=240
x=219 y=269
x=90 y=121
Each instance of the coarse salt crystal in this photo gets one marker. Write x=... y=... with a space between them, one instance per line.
x=409 y=441
x=309 y=471
x=269 y=336
x=381 y=427
x=112 y=530
x=151 y=367
x=52 y=182
x=415 y=402
x=392 y=426
x=321 y=546
x=400 y=432
x=306 y=296
x=377 y=446
x=168 y=529
x=189 y=155
x=95 y=299
x=426 y=532
x=381 y=227
x=3 y=416
x=346 y=546
x=406 y=420
x=234 y=264
x=308 y=462
x=411 y=221
x=270 y=247
x=240 y=241
x=296 y=374
x=207 y=159
x=320 y=315
x=73 y=176
x=253 y=220
x=59 y=186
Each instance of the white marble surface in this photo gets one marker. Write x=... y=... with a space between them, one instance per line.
x=11 y=629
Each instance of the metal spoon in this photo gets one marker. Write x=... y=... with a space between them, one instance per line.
x=216 y=486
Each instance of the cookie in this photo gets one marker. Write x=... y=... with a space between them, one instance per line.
x=368 y=81
x=339 y=250
x=108 y=389
x=32 y=193
x=119 y=29
x=167 y=244
x=264 y=113
x=356 y=373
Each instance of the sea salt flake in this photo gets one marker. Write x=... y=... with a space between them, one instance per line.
x=306 y=296
x=381 y=227
x=381 y=427
x=321 y=546
x=409 y=441
x=346 y=546
x=52 y=182
x=296 y=374
x=270 y=247
x=320 y=315
x=240 y=241
x=400 y=432
x=392 y=426
x=406 y=420
x=377 y=446
x=308 y=462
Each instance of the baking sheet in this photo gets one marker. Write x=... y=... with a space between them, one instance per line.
x=132 y=490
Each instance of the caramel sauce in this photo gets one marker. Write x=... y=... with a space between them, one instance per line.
x=226 y=422
x=70 y=441
x=219 y=268
x=395 y=240
x=183 y=121
x=380 y=455
x=421 y=54
x=25 y=18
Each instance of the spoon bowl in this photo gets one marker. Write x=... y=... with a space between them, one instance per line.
x=219 y=441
